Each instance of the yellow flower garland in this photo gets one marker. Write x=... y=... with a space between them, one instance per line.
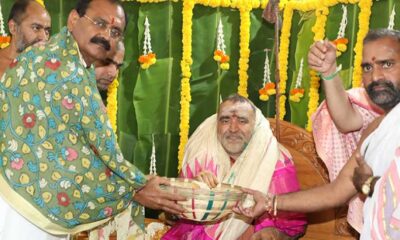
x=112 y=103
x=319 y=34
x=283 y=58
x=244 y=9
x=186 y=62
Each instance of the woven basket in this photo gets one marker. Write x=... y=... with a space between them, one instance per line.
x=204 y=204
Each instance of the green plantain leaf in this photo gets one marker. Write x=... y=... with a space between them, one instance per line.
x=305 y=38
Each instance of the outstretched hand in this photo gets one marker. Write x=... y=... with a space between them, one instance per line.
x=263 y=204
x=361 y=173
x=322 y=57
x=152 y=196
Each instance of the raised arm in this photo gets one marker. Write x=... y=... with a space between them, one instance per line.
x=322 y=58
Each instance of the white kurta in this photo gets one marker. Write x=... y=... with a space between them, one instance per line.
x=14 y=226
x=378 y=150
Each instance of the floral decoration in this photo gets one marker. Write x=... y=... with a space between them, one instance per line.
x=148 y=58
x=220 y=55
x=297 y=93
x=268 y=88
x=112 y=103
x=4 y=39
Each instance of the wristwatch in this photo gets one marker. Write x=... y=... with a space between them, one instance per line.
x=366 y=187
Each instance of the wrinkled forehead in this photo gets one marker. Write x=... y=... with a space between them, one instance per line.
x=236 y=109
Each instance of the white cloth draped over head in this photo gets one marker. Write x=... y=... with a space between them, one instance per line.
x=252 y=169
x=381 y=150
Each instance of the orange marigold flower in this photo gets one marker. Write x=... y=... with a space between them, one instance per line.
x=262 y=91
x=224 y=58
x=295 y=91
x=143 y=59
x=340 y=41
x=270 y=85
x=218 y=53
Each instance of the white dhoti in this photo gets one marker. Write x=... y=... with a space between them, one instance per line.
x=13 y=226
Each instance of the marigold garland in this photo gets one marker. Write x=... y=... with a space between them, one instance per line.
x=112 y=103
x=186 y=62
x=283 y=58
x=313 y=95
x=244 y=9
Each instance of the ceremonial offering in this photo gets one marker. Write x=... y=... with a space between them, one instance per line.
x=205 y=204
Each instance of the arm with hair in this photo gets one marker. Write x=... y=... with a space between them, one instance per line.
x=322 y=58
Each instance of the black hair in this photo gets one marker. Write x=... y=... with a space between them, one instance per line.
x=82 y=5
x=18 y=10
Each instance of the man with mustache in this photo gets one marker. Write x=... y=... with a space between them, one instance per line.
x=29 y=23
x=236 y=146
x=373 y=170
x=61 y=170
x=340 y=120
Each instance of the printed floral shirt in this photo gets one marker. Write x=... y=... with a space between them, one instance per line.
x=57 y=147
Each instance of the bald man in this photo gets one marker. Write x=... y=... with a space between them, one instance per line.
x=29 y=23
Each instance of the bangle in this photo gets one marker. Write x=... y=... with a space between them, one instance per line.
x=276 y=205
x=333 y=75
x=269 y=204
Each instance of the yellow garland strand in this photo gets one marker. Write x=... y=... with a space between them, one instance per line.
x=112 y=103
x=363 y=19
x=186 y=62
x=319 y=34
x=245 y=9
x=283 y=58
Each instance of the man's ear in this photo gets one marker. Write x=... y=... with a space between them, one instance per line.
x=12 y=27
x=73 y=18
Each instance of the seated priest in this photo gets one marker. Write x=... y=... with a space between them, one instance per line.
x=236 y=146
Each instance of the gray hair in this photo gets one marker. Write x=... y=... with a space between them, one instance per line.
x=376 y=34
x=238 y=98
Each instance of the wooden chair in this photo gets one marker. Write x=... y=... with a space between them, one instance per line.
x=311 y=172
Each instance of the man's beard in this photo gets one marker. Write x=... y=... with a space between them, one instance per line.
x=23 y=43
x=385 y=98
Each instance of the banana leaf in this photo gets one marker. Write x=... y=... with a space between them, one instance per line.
x=261 y=39
x=153 y=95
x=209 y=83
x=305 y=38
